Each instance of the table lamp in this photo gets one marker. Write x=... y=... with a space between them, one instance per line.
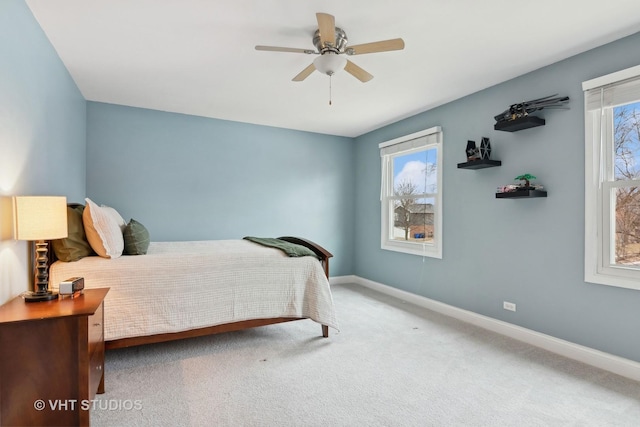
x=40 y=218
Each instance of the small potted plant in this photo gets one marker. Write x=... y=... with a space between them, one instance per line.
x=527 y=177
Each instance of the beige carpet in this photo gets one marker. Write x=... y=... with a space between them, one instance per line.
x=392 y=364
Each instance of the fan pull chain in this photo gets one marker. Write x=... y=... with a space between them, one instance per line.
x=330 y=89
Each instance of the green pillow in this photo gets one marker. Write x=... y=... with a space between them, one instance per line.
x=75 y=245
x=136 y=238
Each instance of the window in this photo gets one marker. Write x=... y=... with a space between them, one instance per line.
x=612 y=179
x=411 y=193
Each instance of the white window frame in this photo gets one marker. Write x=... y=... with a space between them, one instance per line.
x=424 y=140
x=599 y=250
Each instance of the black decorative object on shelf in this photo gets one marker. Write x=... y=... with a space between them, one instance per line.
x=485 y=148
x=472 y=151
x=519 y=124
x=525 y=189
x=478 y=158
x=479 y=164
x=517 y=116
x=520 y=194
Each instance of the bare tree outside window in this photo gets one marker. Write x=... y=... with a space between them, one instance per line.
x=627 y=198
x=403 y=207
x=413 y=211
x=430 y=171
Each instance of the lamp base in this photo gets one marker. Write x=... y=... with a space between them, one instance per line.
x=40 y=296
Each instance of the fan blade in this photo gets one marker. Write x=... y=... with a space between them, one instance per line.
x=285 y=49
x=304 y=73
x=357 y=72
x=381 y=46
x=327 y=27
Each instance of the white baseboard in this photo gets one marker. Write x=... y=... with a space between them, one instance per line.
x=609 y=362
x=343 y=280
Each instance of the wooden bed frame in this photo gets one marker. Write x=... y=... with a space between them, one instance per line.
x=323 y=256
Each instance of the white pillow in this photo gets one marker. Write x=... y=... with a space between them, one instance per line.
x=115 y=216
x=103 y=229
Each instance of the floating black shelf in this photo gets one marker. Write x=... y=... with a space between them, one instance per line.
x=520 y=194
x=525 y=122
x=479 y=164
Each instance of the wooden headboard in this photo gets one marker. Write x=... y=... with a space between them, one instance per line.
x=322 y=253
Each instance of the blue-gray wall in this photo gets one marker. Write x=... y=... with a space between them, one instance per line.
x=42 y=131
x=194 y=178
x=529 y=252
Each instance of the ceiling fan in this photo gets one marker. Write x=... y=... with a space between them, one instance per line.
x=331 y=42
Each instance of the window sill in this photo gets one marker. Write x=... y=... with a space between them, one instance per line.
x=418 y=249
x=618 y=281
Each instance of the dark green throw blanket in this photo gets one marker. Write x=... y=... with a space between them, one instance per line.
x=291 y=249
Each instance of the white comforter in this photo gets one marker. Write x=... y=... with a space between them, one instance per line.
x=179 y=286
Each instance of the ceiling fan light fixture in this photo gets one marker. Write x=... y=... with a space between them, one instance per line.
x=329 y=63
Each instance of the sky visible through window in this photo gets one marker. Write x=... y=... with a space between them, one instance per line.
x=418 y=168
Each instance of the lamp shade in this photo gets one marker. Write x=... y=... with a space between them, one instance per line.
x=329 y=63
x=40 y=217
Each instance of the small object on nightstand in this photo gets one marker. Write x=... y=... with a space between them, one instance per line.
x=70 y=296
x=71 y=286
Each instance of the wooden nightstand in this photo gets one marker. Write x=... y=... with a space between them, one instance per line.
x=51 y=355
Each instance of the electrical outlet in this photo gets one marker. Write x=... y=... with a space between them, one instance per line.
x=508 y=306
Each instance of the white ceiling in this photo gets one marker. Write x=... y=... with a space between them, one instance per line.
x=197 y=56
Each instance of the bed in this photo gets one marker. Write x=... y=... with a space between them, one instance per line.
x=186 y=289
